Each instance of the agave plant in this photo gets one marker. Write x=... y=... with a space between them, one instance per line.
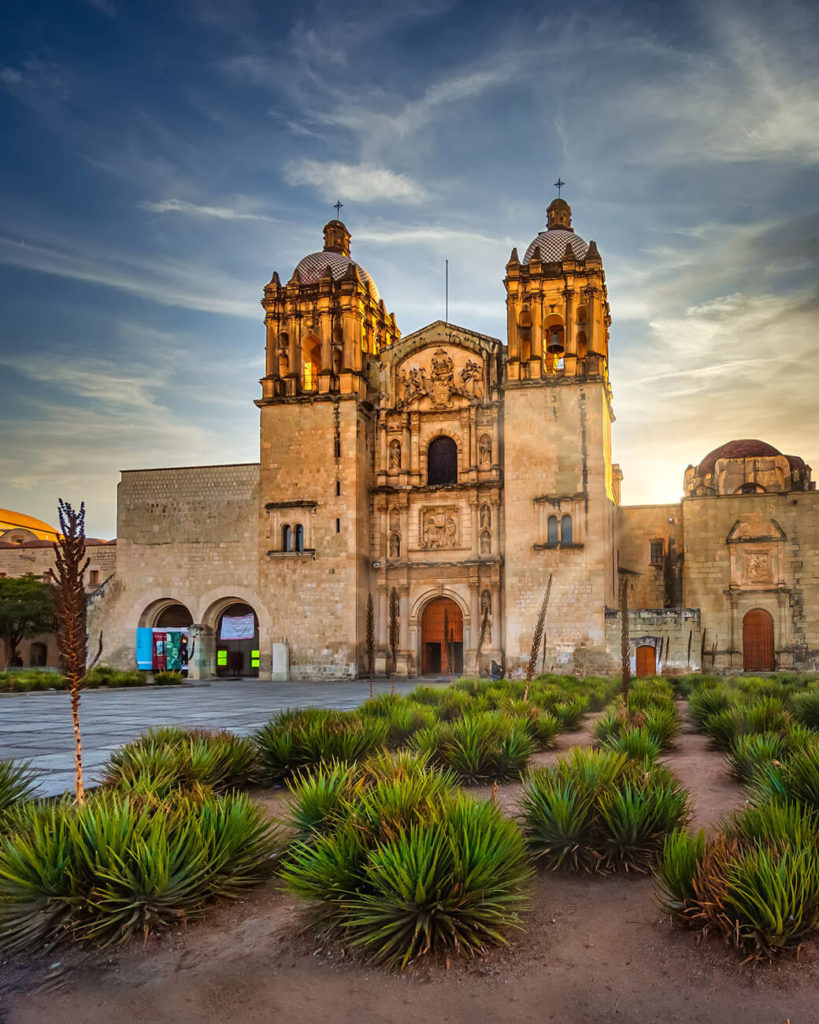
x=292 y=741
x=705 y=702
x=638 y=743
x=634 y=820
x=676 y=870
x=454 y=885
x=805 y=707
x=318 y=798
x=751 y=750
x=478 y=748
x=17 y=783
x=557 y=818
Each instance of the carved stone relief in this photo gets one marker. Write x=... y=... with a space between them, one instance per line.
x=439 y=528
x=439 y=381
x=756 y=566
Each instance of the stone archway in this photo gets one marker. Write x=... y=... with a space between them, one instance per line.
x=237 y=648
x=442 y=637
x=758 y=651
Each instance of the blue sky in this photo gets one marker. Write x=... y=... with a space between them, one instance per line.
x=161 y=160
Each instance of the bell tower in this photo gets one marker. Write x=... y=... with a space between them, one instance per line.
x=559 y=490
x=324 y=330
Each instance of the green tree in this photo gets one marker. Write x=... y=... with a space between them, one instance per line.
x=26 y=609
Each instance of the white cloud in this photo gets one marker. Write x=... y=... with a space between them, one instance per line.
x=198 y=210
x=359 y=182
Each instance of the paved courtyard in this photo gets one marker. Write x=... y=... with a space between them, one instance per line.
x=37 y=727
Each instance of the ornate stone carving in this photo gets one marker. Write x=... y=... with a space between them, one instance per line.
x=486 y=517
x=395 y=546
x=395 y=519
x=439 y=528
x=756 y=566
x=439 y=382
x=395 y=454
x=485 y=451
x=486 y=542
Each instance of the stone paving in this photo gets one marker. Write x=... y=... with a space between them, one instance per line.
x=37 y=727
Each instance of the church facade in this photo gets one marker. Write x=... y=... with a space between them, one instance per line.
x=464 y=475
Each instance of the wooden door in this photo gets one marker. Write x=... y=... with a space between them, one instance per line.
x=758 y=653
x=442 y=631
x=646 y=660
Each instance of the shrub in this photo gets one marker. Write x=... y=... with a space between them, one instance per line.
x=31 y=679
x=757 y=883
x=705 y=702
x=600 y=810
x=168 y=678
x=751 y=750
x=766 y=715
x=796 y=779
x=411 y=869
x=105 y=675
x=174 y=758
x=17 y=783
x=118 y=867
x=805 y=707
x=479 y=748
x=569 y=713
x=637 y=743
x=292 y=741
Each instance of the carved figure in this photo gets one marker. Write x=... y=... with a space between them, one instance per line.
x=395 y=546
x=486 y=542
x=485 y=451
x=472 y=379
x=440 y=529
x=395 y=454
x=486 y=517
x=395 y=519
x=486 y=603
x=757 y=567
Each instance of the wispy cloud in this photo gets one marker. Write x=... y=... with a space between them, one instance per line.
x=198 y=210
x=360 y=182
x=169 y=283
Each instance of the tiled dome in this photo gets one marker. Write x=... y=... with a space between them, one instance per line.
x=552 y=245
x=744 y=448
x=313 y=266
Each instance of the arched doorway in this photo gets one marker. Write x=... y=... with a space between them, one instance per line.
x=758 y=653
x=173 y=616
x=646 y=660
x=442 y=638
x=237 y=641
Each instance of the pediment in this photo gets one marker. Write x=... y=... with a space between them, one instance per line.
x=755 y=528
x=440 y=333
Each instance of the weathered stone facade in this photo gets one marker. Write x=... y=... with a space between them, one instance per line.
x=462 y=473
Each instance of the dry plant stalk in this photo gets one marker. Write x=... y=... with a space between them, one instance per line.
x=370 y=638
x=445 y=645
x=625 y=663
x=394 y=634
x=541 y=620
x=69 y=609
x=481 y=640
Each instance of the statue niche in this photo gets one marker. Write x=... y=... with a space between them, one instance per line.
x=395 y=454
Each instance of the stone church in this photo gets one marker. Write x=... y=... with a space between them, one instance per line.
x=463 y=472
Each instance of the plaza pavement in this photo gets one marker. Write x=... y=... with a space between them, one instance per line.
x=37 y=727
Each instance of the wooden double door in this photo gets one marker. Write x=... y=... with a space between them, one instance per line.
x=442 y=638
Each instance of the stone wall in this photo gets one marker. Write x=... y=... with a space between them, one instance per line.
x=754 y=551
x=638 y=526
x=186 y=535
x=674 y=633
x=556 y=440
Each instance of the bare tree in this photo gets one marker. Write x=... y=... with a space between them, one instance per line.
x=394 y=633
x=541 y=619
x=70 y=615
x=625 y=662
x=370 y=638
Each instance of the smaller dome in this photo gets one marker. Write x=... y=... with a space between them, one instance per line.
x=311 y=268
x=744 y=448
x=552 y=245
x=19 y=521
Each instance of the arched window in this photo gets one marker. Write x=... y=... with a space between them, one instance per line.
x=751 y=488
x=552 y=534
x=525 y=334
x=287 y=538
x=442 y=462
x=298 y=537
x=566 y=530
x=582 y=345
x=312 y=362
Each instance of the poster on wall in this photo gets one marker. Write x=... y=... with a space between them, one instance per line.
x=162 y=649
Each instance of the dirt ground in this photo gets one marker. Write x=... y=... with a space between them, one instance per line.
x=594 y=950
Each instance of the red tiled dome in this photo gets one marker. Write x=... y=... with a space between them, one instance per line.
x=745 y=448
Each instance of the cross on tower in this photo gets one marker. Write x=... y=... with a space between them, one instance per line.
x=337 y=207
x=559 y=185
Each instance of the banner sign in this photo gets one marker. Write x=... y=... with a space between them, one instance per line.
x=238 y=627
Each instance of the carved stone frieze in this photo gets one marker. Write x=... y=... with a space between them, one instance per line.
x=439 y=528
x=438 y=380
